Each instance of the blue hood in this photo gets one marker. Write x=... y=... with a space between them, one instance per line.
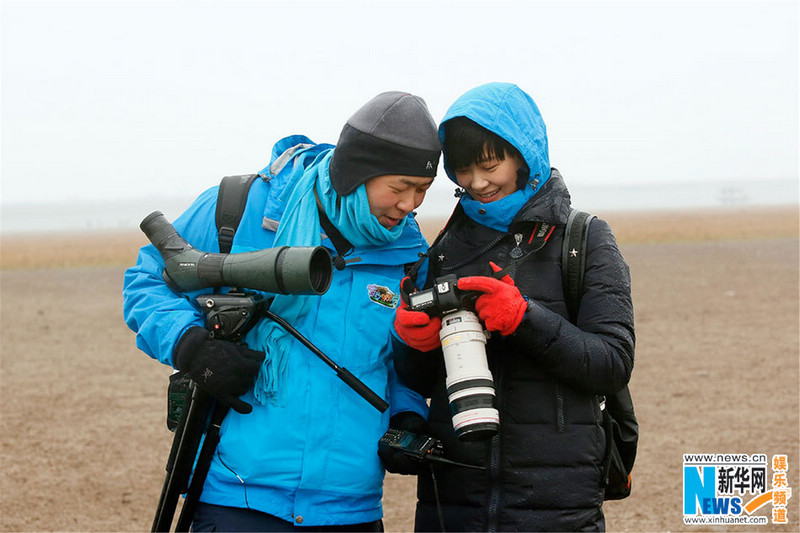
x=508 y=111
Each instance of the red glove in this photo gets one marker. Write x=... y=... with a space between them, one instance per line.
x=417 y=329
x=502 y=306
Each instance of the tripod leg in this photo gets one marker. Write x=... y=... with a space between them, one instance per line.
x=201 y=468
x=182 y=455
x=176 y=440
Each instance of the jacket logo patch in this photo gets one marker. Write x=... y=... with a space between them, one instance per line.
x=382 y=295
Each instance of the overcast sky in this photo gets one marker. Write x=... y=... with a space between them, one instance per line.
x=106 y=100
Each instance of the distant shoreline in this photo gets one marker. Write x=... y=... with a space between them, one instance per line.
x=120 y=247
x=123 y=214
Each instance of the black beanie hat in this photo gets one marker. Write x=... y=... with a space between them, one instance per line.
x=394 y=133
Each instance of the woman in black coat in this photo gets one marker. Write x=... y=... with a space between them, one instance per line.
x=543 y=459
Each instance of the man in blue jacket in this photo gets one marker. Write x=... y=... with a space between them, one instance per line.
x=299 y=447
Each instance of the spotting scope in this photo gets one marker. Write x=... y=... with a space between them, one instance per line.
x=279 y=270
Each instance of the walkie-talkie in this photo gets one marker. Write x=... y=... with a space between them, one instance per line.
x=421 y=447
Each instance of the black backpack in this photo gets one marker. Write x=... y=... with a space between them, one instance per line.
x=619 y=419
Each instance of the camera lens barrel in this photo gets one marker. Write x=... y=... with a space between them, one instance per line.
x=470 y=386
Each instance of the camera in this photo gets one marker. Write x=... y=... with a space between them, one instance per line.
x=469 y=382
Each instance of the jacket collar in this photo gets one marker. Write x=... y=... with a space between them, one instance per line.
x=551 y=204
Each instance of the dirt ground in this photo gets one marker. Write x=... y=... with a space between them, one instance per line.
x=82 y=436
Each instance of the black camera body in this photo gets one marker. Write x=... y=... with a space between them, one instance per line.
x=444 y=297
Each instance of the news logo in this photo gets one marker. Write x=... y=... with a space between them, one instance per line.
x=730 y=489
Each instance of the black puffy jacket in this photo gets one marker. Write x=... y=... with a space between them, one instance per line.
x=543 y=469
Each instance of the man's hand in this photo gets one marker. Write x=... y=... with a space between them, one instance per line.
x=223 y=369
x=397 y=461
x=501 y=307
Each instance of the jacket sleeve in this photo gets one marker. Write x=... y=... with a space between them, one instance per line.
x=409 y=397
x=403 y=398
x=158 y=315
x=596 y=354
x=418 y=370
x=414 y=368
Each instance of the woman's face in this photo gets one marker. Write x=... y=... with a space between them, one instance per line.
x=392 y=197
x=490 y=180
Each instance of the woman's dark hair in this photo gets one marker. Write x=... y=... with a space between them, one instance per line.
x=465 y=143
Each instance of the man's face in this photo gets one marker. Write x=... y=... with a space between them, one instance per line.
x=392 y=197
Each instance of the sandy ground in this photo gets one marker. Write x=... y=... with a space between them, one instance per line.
x=82 y=436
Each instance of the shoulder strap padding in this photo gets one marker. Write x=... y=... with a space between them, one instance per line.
x=573 y=259
x=231 y=200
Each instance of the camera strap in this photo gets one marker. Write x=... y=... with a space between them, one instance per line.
x=536 y=241
x=412 y=269
x=538 y=238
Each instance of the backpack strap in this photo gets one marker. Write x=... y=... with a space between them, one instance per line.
x=573 y=259
x=231 y=200
x=619 y=420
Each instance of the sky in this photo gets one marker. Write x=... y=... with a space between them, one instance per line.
x=127 y=101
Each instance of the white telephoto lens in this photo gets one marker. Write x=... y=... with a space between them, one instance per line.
x=470 y=386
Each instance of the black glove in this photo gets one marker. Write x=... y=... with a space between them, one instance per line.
x=396 y=461
x=223 y=369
